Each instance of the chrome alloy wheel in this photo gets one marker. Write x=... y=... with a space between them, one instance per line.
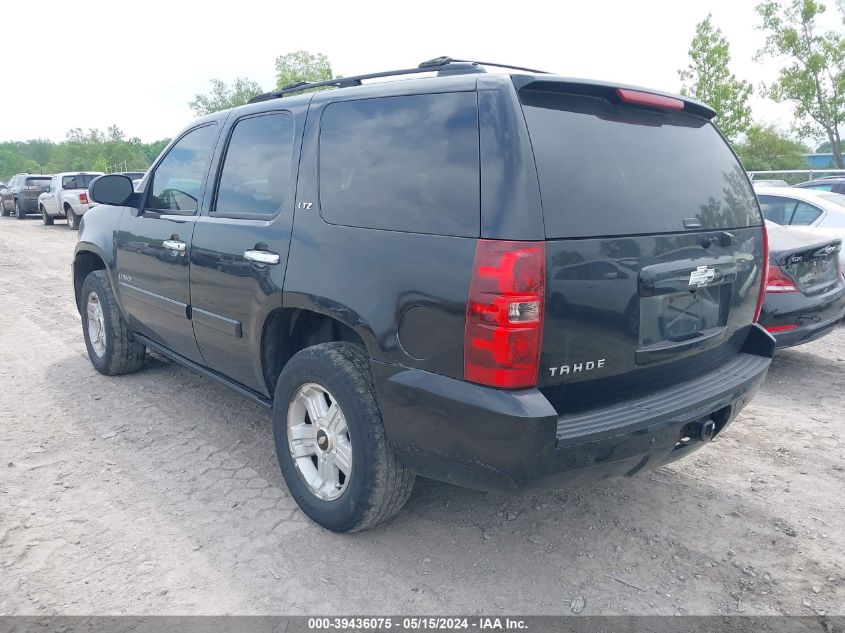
x=319 y=442
x=96 y=325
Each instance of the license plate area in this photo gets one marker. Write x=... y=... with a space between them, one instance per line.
x=673 y=323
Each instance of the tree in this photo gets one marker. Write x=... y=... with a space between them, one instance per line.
x=223 y=97
x=302 y=66
x=708 y=79
x=814 y=80
x=765 y=148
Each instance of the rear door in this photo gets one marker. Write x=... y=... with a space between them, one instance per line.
x=240 y=247
x=653 y=242
x=153 y=243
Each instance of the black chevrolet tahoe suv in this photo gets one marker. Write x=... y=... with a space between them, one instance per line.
x=493 y=280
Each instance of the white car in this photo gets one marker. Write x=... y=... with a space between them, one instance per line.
x=67 y=197
x=819 y=212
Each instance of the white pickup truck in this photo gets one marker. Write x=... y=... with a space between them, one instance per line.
x=67 y=197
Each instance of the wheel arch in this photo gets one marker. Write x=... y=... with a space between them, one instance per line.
x=86 y=260
x=289 y=330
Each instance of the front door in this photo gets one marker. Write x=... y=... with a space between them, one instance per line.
x=153 y=244
x=239 y=249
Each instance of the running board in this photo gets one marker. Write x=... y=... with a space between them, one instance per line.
x=238 y=388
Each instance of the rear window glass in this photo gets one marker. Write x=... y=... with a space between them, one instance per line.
x=39 y=181
x=777 y=209
x=606 y=169
x=77 y=181
x=402 y=163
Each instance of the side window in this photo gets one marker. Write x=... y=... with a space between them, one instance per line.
x=777 y=209
x=821 y=187
x=402 y=163
x=805 y=214
x=177 y=180
x=256 y=170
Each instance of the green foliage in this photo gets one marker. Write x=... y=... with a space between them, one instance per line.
x=302 y=66
x=765 y=148
x=814 y=79
x=223 y=97
x=92 y=150
x=708 y=79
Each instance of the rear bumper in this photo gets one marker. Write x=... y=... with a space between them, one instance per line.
x=814 y=316
x=29 y=205
x=505 y=441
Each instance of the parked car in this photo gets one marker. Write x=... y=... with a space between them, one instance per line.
x=769 y=183
x=21 y=194
x=805 y=290
x=66 y=197
x=819 y=212
x=133 y=175
x=835 y=184
x=385 y=295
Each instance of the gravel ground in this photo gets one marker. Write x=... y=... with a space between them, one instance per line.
x=159 y=493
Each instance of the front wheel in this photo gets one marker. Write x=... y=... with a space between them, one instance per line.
x=72 y=220
x=47 y=219
x=3 y=210
x=331 y=443
x=112 y=347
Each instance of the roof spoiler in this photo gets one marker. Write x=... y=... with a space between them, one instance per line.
x=616 y=93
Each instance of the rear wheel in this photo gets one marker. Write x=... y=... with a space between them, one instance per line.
x=19 y=212
x=47 y=219
x=111 y=345
x=331 y=443
x=72 y=220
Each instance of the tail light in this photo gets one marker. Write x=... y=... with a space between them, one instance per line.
x=637 y=97
x=779 y=281
x=83 y=198
x=504 y=321
x=764 y=275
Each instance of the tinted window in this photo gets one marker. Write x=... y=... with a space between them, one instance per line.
x=78 y=181
x=177 y=180
x=402 y=163
x=38 y=180
x=805 y=214
x=256 y=170
x=609 y=169
x=777 y=209
x=828 y=186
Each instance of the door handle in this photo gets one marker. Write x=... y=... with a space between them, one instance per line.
x=174 y=245
x=262 y=257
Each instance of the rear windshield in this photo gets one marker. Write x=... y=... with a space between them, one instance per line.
x=77 y=181
x=38 y=180
x=607 y=169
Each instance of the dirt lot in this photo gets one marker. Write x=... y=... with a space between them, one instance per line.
x=159 y=492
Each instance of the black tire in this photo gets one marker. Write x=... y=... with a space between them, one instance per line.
x=379 y=485
x=3 y=210
x=47 y=219
x=123 y=353
x=19 y=213
x=72 y=220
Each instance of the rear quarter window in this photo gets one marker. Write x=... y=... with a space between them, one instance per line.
x=408 y=163
x=607 y=169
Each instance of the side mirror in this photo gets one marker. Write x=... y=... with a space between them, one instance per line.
x=49 y=188
x=113 y=189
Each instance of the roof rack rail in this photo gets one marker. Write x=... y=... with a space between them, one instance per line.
x=444 y=65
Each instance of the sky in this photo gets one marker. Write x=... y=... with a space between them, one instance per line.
x=137 y=65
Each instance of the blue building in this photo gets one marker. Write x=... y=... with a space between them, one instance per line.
x=819 y=161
